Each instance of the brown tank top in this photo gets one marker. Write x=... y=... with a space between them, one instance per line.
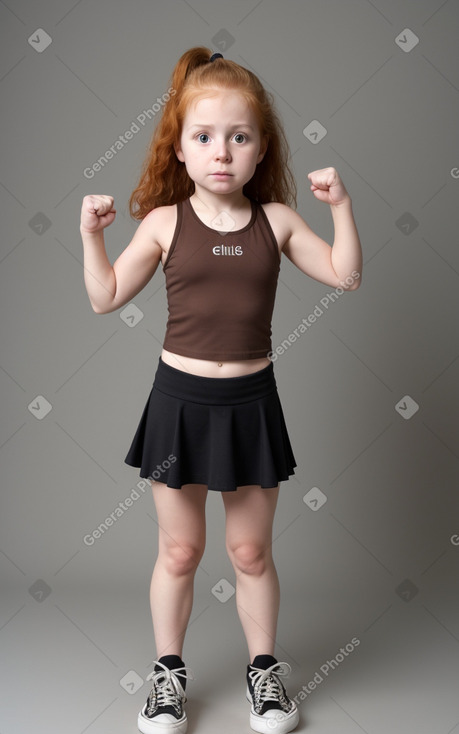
x=221 y=287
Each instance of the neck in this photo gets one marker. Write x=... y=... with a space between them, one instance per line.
x=233 y=202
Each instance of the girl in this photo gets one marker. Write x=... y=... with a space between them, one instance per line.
x=214 y=200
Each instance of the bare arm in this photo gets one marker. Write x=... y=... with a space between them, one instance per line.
x=109 y=288
x=99 y=276
x=346 y=254
x=337 y=265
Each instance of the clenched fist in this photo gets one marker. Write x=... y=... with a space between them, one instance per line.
x=97 y=212
x=327 y=186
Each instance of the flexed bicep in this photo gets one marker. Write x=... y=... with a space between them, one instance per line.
x=309 y=252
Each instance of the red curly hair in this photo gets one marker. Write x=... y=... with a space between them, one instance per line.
x=164 y=179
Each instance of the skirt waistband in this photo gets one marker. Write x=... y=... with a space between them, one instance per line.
x=214 y=390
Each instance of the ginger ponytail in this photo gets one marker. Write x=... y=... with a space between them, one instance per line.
x=190 y=60
x=164 y=179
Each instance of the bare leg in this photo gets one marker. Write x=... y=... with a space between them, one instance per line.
x=249 y=520
x=182 y=538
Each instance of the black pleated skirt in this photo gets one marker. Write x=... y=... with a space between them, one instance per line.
x=224 y=432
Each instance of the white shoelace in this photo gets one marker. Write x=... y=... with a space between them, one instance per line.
x=167 y=689
x=267 y=686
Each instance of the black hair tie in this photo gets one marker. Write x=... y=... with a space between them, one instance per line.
x=216 y=56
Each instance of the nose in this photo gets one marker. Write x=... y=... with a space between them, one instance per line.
x=222 y=150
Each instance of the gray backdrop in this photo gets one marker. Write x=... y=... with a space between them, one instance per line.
x=367 y=533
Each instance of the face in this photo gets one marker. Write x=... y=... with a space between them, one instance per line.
x=220 y=143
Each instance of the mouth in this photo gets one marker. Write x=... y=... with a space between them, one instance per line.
x=221 y=173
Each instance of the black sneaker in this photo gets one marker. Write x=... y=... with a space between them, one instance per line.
x=163 y=712
x=272 y=712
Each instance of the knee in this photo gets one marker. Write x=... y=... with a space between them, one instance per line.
x=181 y=560
x=250 y=558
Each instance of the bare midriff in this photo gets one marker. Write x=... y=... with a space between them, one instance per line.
x=209 y=368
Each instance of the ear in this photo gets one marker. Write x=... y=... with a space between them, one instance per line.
x=178 y=153
x=263 y=149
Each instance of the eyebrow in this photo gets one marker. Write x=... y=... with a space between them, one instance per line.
x=212 y=127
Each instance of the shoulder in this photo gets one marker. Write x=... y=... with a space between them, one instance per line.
x=282 y=219
x=161 y=222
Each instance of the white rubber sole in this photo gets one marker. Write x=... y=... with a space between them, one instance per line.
x=277 y=722
x=152 y=726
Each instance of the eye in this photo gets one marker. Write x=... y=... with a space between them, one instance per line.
x=238 y=137
x=203 y=135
